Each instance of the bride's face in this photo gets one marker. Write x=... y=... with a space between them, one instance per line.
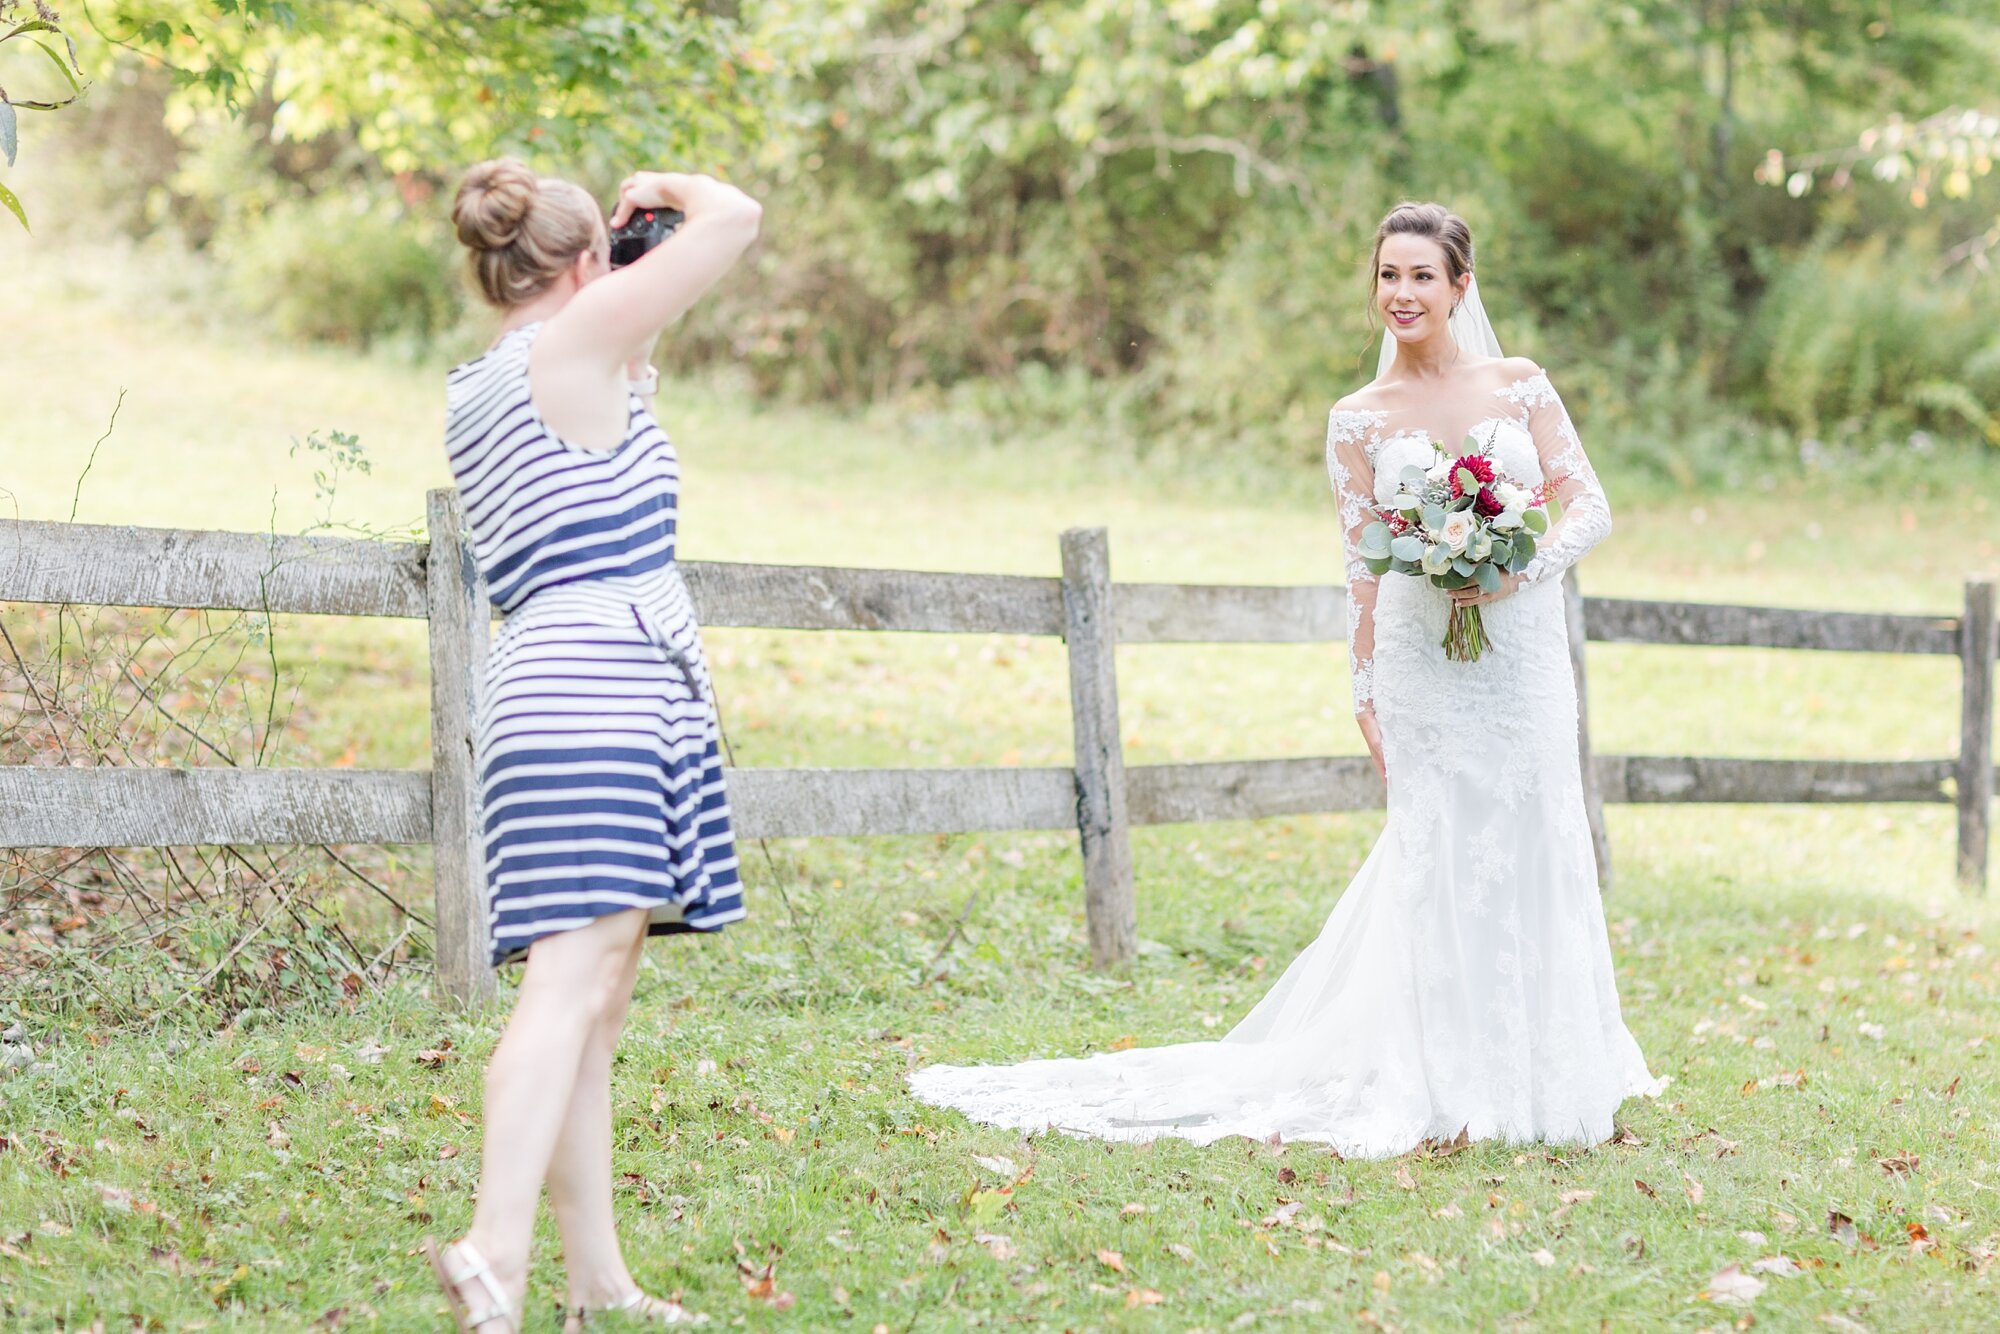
x=1414 y=292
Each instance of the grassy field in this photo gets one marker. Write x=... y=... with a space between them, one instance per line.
x=1824 y=1000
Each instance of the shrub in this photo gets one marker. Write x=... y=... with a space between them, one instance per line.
x=344 y=268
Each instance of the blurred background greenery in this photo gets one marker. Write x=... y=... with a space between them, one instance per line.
x=1752 y=239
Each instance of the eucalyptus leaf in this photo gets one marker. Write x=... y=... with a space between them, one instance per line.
x=1437 y=560
x=1537 y=521
x=1524 y=549
x=10 y=139
x=1467 y=481
x=1489 y=578
x=1503 y=551
x=1378 y=564
x=1434 y=517
x=1374 y=541
x=1463 y=566
x=1408 y=548
x=1506 y=519
x=1412 y=477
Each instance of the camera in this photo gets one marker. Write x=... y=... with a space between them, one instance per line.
x=646 y=228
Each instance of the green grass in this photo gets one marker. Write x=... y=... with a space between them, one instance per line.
x=142 y=1176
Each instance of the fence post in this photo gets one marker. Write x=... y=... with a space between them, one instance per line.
x=1593 y=795
x=458 y=626
x=1091 y=634
x=1975 y=738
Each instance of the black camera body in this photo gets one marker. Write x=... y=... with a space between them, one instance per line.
x=646 y=228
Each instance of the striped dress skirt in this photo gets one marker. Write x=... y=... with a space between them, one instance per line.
x=601 y=785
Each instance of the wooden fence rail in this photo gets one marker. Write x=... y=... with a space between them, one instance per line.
x=1099 y=796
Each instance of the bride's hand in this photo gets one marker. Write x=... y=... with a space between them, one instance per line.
x=1472 y=595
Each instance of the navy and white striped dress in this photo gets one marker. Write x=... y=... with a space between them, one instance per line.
x=600 y=770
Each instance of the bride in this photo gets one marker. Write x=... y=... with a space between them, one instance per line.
x=1463 y=984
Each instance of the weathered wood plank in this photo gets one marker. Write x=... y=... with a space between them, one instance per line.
x=1593 y=795
x=1230 y=614
x=822 y=803
x=1666 y=778
x=1090 y=628
x=1625 y=621
x=114 y=566
x=808 y=597
x=1975 y=741
x=460 y=619
x=1251 y=789
x=155 y=808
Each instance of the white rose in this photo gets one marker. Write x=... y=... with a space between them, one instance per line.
x=1511 y=496
x=1457 y=531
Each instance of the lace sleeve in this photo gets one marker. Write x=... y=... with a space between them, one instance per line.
x=1354 y=484
x=1586 y=513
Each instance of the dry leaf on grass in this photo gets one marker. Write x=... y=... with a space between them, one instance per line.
x=1138 y=1297
x=1778 y=1266
x=1731 y=1285
x=1111 y=1260
x=1404 y=1181
x=997 y=1246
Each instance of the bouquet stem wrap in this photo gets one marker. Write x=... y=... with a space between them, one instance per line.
x=1465 y=635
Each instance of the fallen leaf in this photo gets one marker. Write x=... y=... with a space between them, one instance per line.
x=1731 y=1285
x=1542 y=1257
x=371 y=1053
x=1382 y=1280
x=1111 y=1260
x=997 y=1246
x=433 y=1057
x=1645 y=1189
x=1780 y=1266
x=997 y=1165
x=1576 y=1196
x=1132 y=1211
x=276 y=1136
x=1841 y=1228
x=1404 y=1181
x=1138 y=1297
x=114 y=1198
x=1693 y=1188
x=1901 y=1164
x=1181 y=1251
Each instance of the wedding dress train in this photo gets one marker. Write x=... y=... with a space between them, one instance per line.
x=1464 y=980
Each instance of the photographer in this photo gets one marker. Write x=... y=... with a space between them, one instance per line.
x=601 y=791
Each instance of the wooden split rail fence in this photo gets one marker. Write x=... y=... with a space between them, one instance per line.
x=1099 y=797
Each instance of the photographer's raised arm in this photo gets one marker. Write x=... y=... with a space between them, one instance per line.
x=611 y=320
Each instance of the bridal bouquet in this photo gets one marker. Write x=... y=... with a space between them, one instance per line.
x=1462 y=521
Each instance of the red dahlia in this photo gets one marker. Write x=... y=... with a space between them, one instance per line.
x=1486 y=504
x=1477 y=464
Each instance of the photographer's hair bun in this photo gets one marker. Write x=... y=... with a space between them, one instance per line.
x=523 y=230
x=493 y=201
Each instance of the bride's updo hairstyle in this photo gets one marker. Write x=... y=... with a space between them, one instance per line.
x=523 y=230
x=1433 y=221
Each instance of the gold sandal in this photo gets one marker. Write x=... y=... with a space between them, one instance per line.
x=470 y=1265
x=639 y=1307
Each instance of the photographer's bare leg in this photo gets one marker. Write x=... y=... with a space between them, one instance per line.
x=580 y=1169
x=574 y=980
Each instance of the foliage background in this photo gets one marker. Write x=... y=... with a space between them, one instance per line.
x=1147 y=217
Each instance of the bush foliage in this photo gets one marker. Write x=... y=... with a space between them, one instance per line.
x=1155 y=216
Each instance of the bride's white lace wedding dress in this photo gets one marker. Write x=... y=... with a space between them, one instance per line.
x=1464 y=981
